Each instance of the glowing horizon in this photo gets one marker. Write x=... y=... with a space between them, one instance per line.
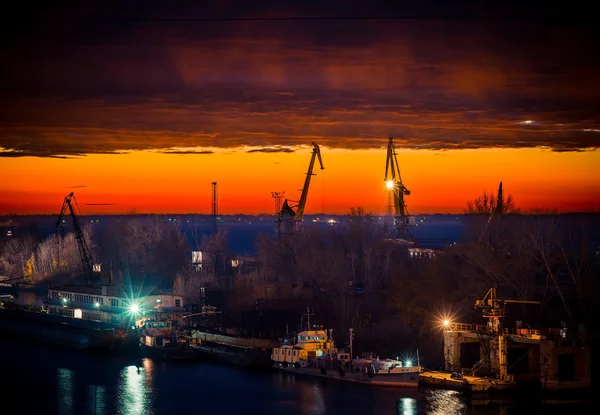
x=440 y=181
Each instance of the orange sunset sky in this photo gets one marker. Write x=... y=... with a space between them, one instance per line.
x=142 y=106
x=440 y=181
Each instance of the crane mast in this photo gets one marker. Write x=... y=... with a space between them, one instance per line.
x=287 y=211
x=393 y=183
x=84 y=251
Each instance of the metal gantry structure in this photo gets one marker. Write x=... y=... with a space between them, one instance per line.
x=277 y=196
x=292 y=219
x=393 y=182
x=215 y=206
x=492 y=308
x=84 y=250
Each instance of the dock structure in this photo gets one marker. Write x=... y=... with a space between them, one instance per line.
x=553 y=357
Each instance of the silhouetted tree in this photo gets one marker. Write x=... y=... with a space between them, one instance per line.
x=487 y=202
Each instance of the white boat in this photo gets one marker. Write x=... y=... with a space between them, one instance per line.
x=313 y=353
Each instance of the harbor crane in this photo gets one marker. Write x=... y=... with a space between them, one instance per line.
x=393 y=182
x=492 y=308
x=292 y=219
x=84 y=250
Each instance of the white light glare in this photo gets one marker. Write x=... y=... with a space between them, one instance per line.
x=446 y=323
x=528 y=122
x=408 y=363
x=389 y=184
x=134 y=308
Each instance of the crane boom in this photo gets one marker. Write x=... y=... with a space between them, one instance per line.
x=291 y=219
x=315 y=153
x=84 y=250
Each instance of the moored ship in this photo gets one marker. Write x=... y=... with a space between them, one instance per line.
x=313 y=353
x=160 y=341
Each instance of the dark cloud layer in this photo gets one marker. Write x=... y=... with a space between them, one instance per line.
x=108 y=78
x=272 y=150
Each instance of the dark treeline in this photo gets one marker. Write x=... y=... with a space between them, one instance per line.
x=349 y=275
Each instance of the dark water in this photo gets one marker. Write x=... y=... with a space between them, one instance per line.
x=46 y=380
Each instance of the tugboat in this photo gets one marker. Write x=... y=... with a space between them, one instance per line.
x=313 y=353
x=160 y=341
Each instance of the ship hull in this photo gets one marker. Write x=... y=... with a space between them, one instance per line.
x=50 y=329
x=399 y=380
x=169 y=353
x=238 y=356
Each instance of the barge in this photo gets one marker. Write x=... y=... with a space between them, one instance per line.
x=313 y=353
x=220 y=348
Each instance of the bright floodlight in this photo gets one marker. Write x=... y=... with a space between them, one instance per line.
x=446 y=323
x=408 y=363
x=134 y=308
x=389 y=184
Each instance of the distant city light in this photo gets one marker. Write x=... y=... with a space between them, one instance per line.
x=528 y=122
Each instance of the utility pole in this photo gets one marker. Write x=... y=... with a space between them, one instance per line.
x=215 y=207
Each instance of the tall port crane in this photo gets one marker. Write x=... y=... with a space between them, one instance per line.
x=393 y=182
x=84 y=250
x=292 y=220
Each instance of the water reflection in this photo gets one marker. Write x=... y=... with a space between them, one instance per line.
x=444 y=402
x=97 y=400
x=148 y=366
x=65 y=390
x=133 y=392
x=311 y=398
x=407 y=406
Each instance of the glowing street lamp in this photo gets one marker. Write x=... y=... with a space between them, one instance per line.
x=134 y=308
x=446 y=323
x=390 y=184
